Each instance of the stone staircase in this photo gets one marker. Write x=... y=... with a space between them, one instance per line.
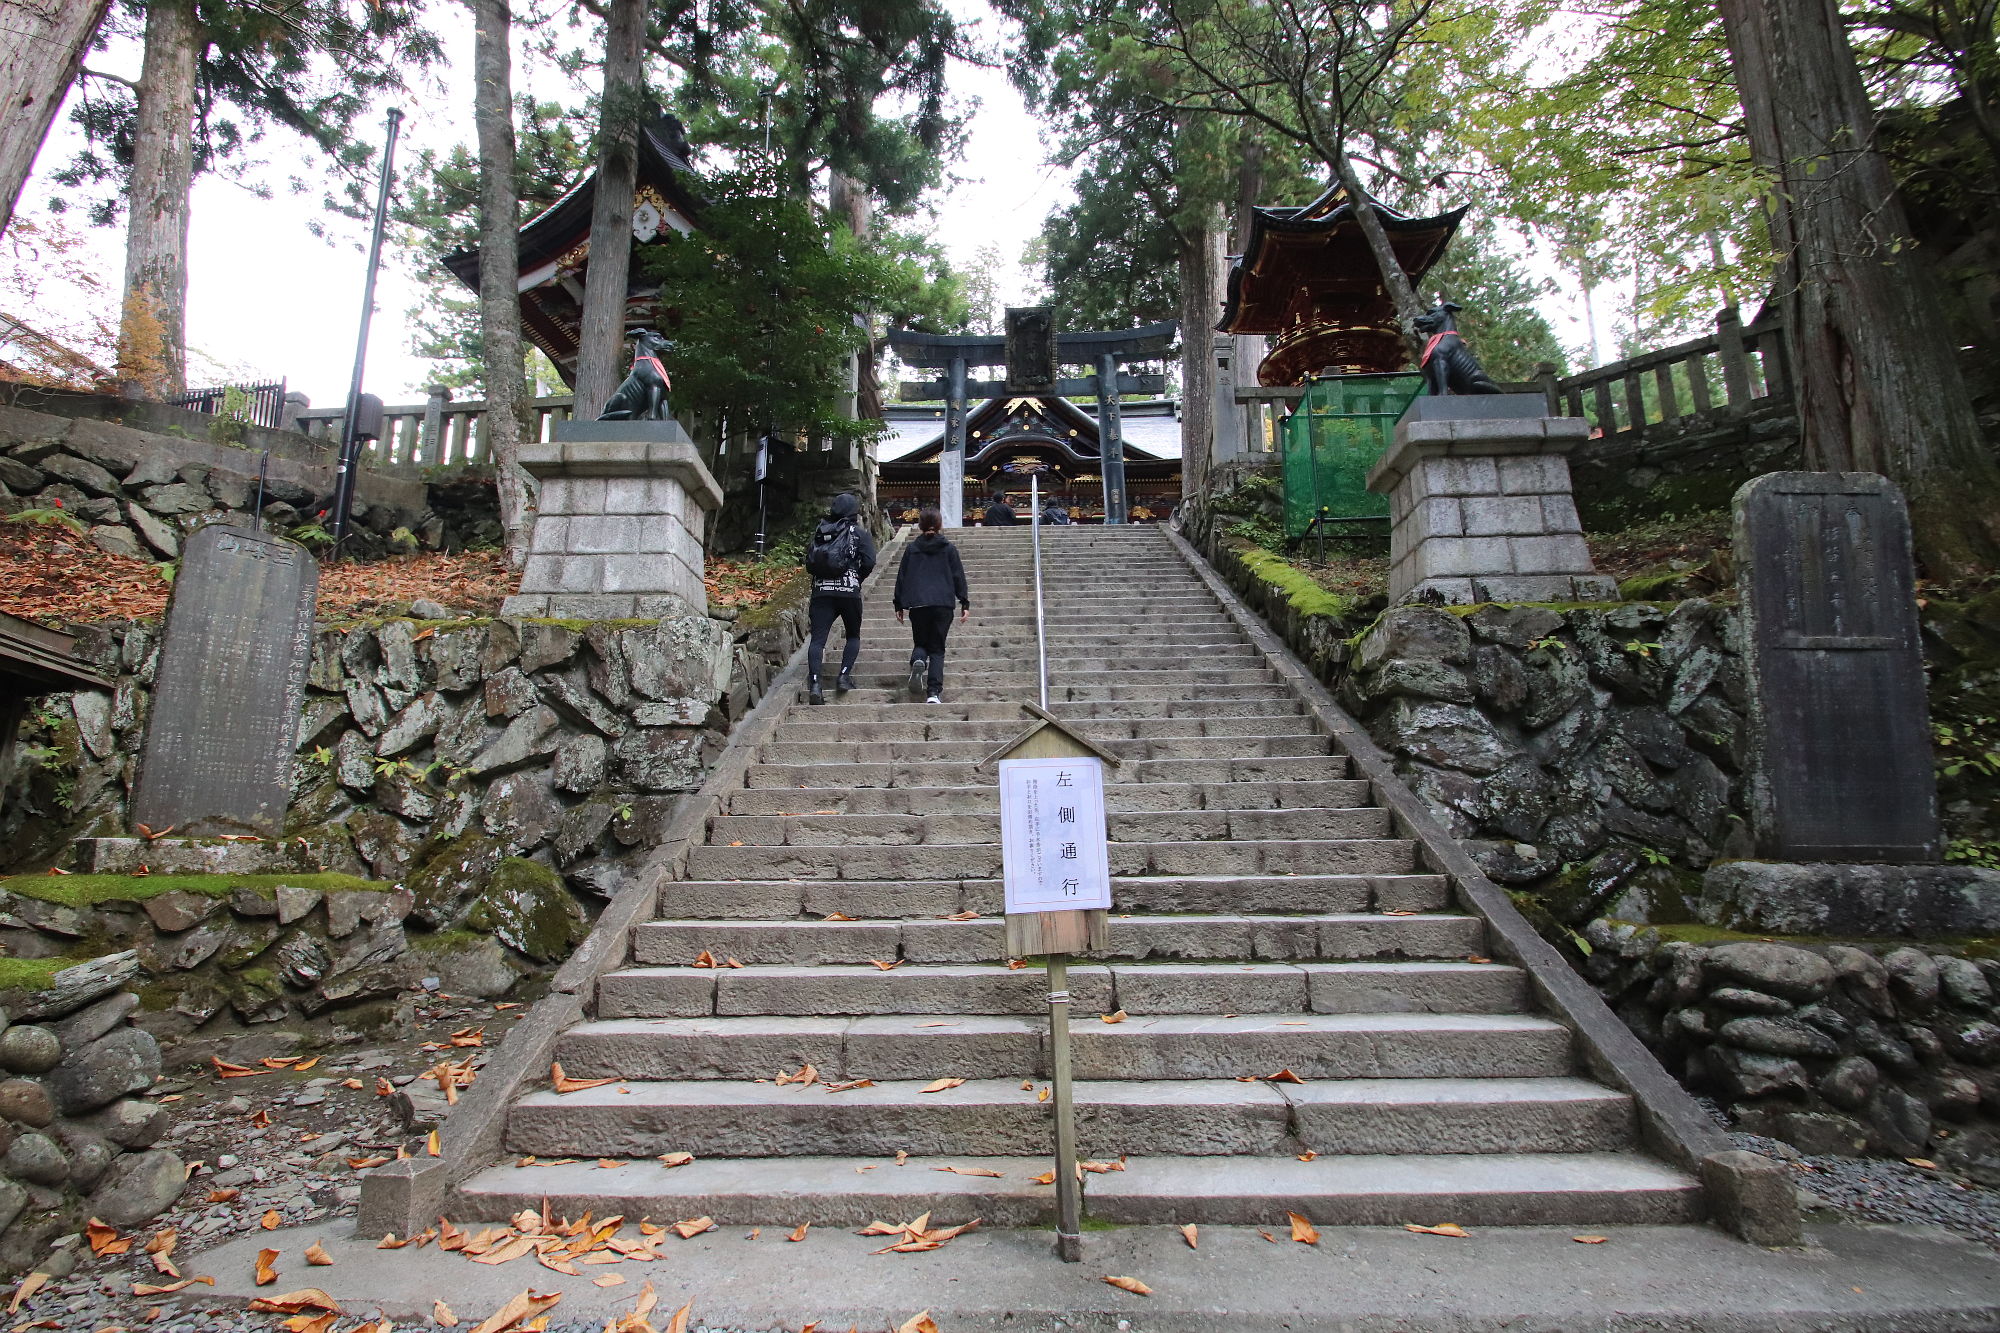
x=1265 y=920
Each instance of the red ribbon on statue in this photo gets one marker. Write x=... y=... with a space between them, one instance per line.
x=1432 y=345
x=661 y=370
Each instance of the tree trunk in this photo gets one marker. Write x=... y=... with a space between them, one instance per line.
x=152 y=329
x=1408 y=307
x=1877 y=381
x=48 y=39
x=600 y=360
x=1249 y=184
x=499 y=263
x=1202 y=278
x=848 y=200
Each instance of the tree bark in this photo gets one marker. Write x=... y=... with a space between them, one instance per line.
x=1877 y=381
x=499 y=264
x=1408 y=307
x=848 y=200
x=1202 y=275
x=48 y=38
x=152 y=330
x=600 y=359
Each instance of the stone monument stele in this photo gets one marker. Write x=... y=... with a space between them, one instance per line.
x=1480 y=506
x=618 y=525
x=229 y=687
x=1841 y=764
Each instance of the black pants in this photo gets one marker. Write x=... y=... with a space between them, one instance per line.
x=824 y=611
x=928 y=627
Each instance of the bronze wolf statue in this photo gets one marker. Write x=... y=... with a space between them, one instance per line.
x=643 y=395
x=1447 y=363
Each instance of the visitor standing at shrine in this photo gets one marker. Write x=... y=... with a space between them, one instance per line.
x=928 y=581
x=840 y=555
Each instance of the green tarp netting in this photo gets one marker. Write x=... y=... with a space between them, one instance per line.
x=1342 y=425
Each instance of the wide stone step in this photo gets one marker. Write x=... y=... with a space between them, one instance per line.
x=1313 y=1046
x=1101 y=689
x=838 y=708
x=1500 y=1189
x=821 y=830
x=789 y=899
x=1151 y=747
x=1119 y=798
x=804 y=726
x=1000 y=1117
x=1356 y=856
x=1188 y=682
x=1142 y=988
x=1281 y=768
x=1348 y=935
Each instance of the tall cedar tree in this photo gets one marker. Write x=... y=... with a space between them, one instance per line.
x=600 y=361
x=214 y=78
x=499 y=300
x=1876 y=380
x=48 y=42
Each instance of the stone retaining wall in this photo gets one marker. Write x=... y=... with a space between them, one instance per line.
x=1831 y=1048
x=75 y=1140
x=141 y=491
x=493 y=781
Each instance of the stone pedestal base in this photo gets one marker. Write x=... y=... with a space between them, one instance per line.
x=1480 y=507
x=618 y=529
x=1818 y=898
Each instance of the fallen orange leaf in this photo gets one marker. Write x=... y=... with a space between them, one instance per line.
x=1283 y=1076
x=1308 y=1155
x=703 y=959
x=104 y=1238
x=1118 y=1017
x=223 y=1196
x=1189 y=1235
x=850 y=1085
x=295 y=1302
x=165 y=1288
x=431 y=1144
x=672 y=1159
x=316 y=1254
x=837 y=916
x=1046 y=1178
x=1590 y=1240
x=688 y=1230
x=886 y=967
x=267 y=1272
x=799 y=1232
x=1303 y=1231
x=564 y=1083
x=271 y=1220
x=920 y=1322
x=224 y=1069
x=442 y=1316
x=807 y=1074
x=1442 y=1229
x=608 y=1163
x=524 y=1306
x=941 y=1085
x=971 y=1171
x=609 y=1280
x=261 y=1120
x=1131 y=1284
x=31 y=1284
x=364 y=1163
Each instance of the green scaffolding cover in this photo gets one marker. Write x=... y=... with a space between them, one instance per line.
x=1342 y=425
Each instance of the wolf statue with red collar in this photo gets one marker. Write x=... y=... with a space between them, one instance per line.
x=1447 y=363
x=643 y=395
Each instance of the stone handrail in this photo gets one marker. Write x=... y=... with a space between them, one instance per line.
x=437 y=433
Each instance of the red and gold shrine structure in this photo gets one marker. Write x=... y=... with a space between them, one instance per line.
x=1307 y=280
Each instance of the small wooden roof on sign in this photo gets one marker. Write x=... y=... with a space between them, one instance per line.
x=1049 y=737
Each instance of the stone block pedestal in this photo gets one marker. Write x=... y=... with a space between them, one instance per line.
x=618 y=530
x=1480 y=506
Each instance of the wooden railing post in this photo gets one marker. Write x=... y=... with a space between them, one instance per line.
x=1735 y=366
x=1545 y=376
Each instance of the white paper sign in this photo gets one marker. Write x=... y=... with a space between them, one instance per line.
x=1052 y=835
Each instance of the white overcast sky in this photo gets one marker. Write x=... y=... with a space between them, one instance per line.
x=269 y=300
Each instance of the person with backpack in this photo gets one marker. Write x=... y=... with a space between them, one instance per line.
x=840 y=555
x=928 y=581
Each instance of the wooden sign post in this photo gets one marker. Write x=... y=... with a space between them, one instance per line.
x=1056 y=867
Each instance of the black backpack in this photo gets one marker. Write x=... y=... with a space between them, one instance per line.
x=835 y=549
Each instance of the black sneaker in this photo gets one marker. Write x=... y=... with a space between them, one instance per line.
x=813 y=693
x=918 y=670
x=843 y=683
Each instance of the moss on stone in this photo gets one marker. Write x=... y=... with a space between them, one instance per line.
x=526 y=906
x=1644 y=587
x=33 y=973
x=89 y=890
x=445 y=941
x=1301 y=593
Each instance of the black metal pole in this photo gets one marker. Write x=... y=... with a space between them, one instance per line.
x=350 y=447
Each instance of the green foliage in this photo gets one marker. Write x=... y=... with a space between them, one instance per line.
x=1967 y=745
x=765 y=299
x=1964 y=851
x=49 y=518
x=313 y=67
x=33 y=973
x=311 y=536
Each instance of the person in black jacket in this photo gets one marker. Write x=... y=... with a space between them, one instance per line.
x=1000 y=514
x=928 y=581
x=840 y=555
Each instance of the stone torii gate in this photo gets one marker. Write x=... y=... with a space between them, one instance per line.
x=1032 y=351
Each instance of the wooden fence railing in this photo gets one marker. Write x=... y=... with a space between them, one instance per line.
x=1735 y=370
x=438 y=433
